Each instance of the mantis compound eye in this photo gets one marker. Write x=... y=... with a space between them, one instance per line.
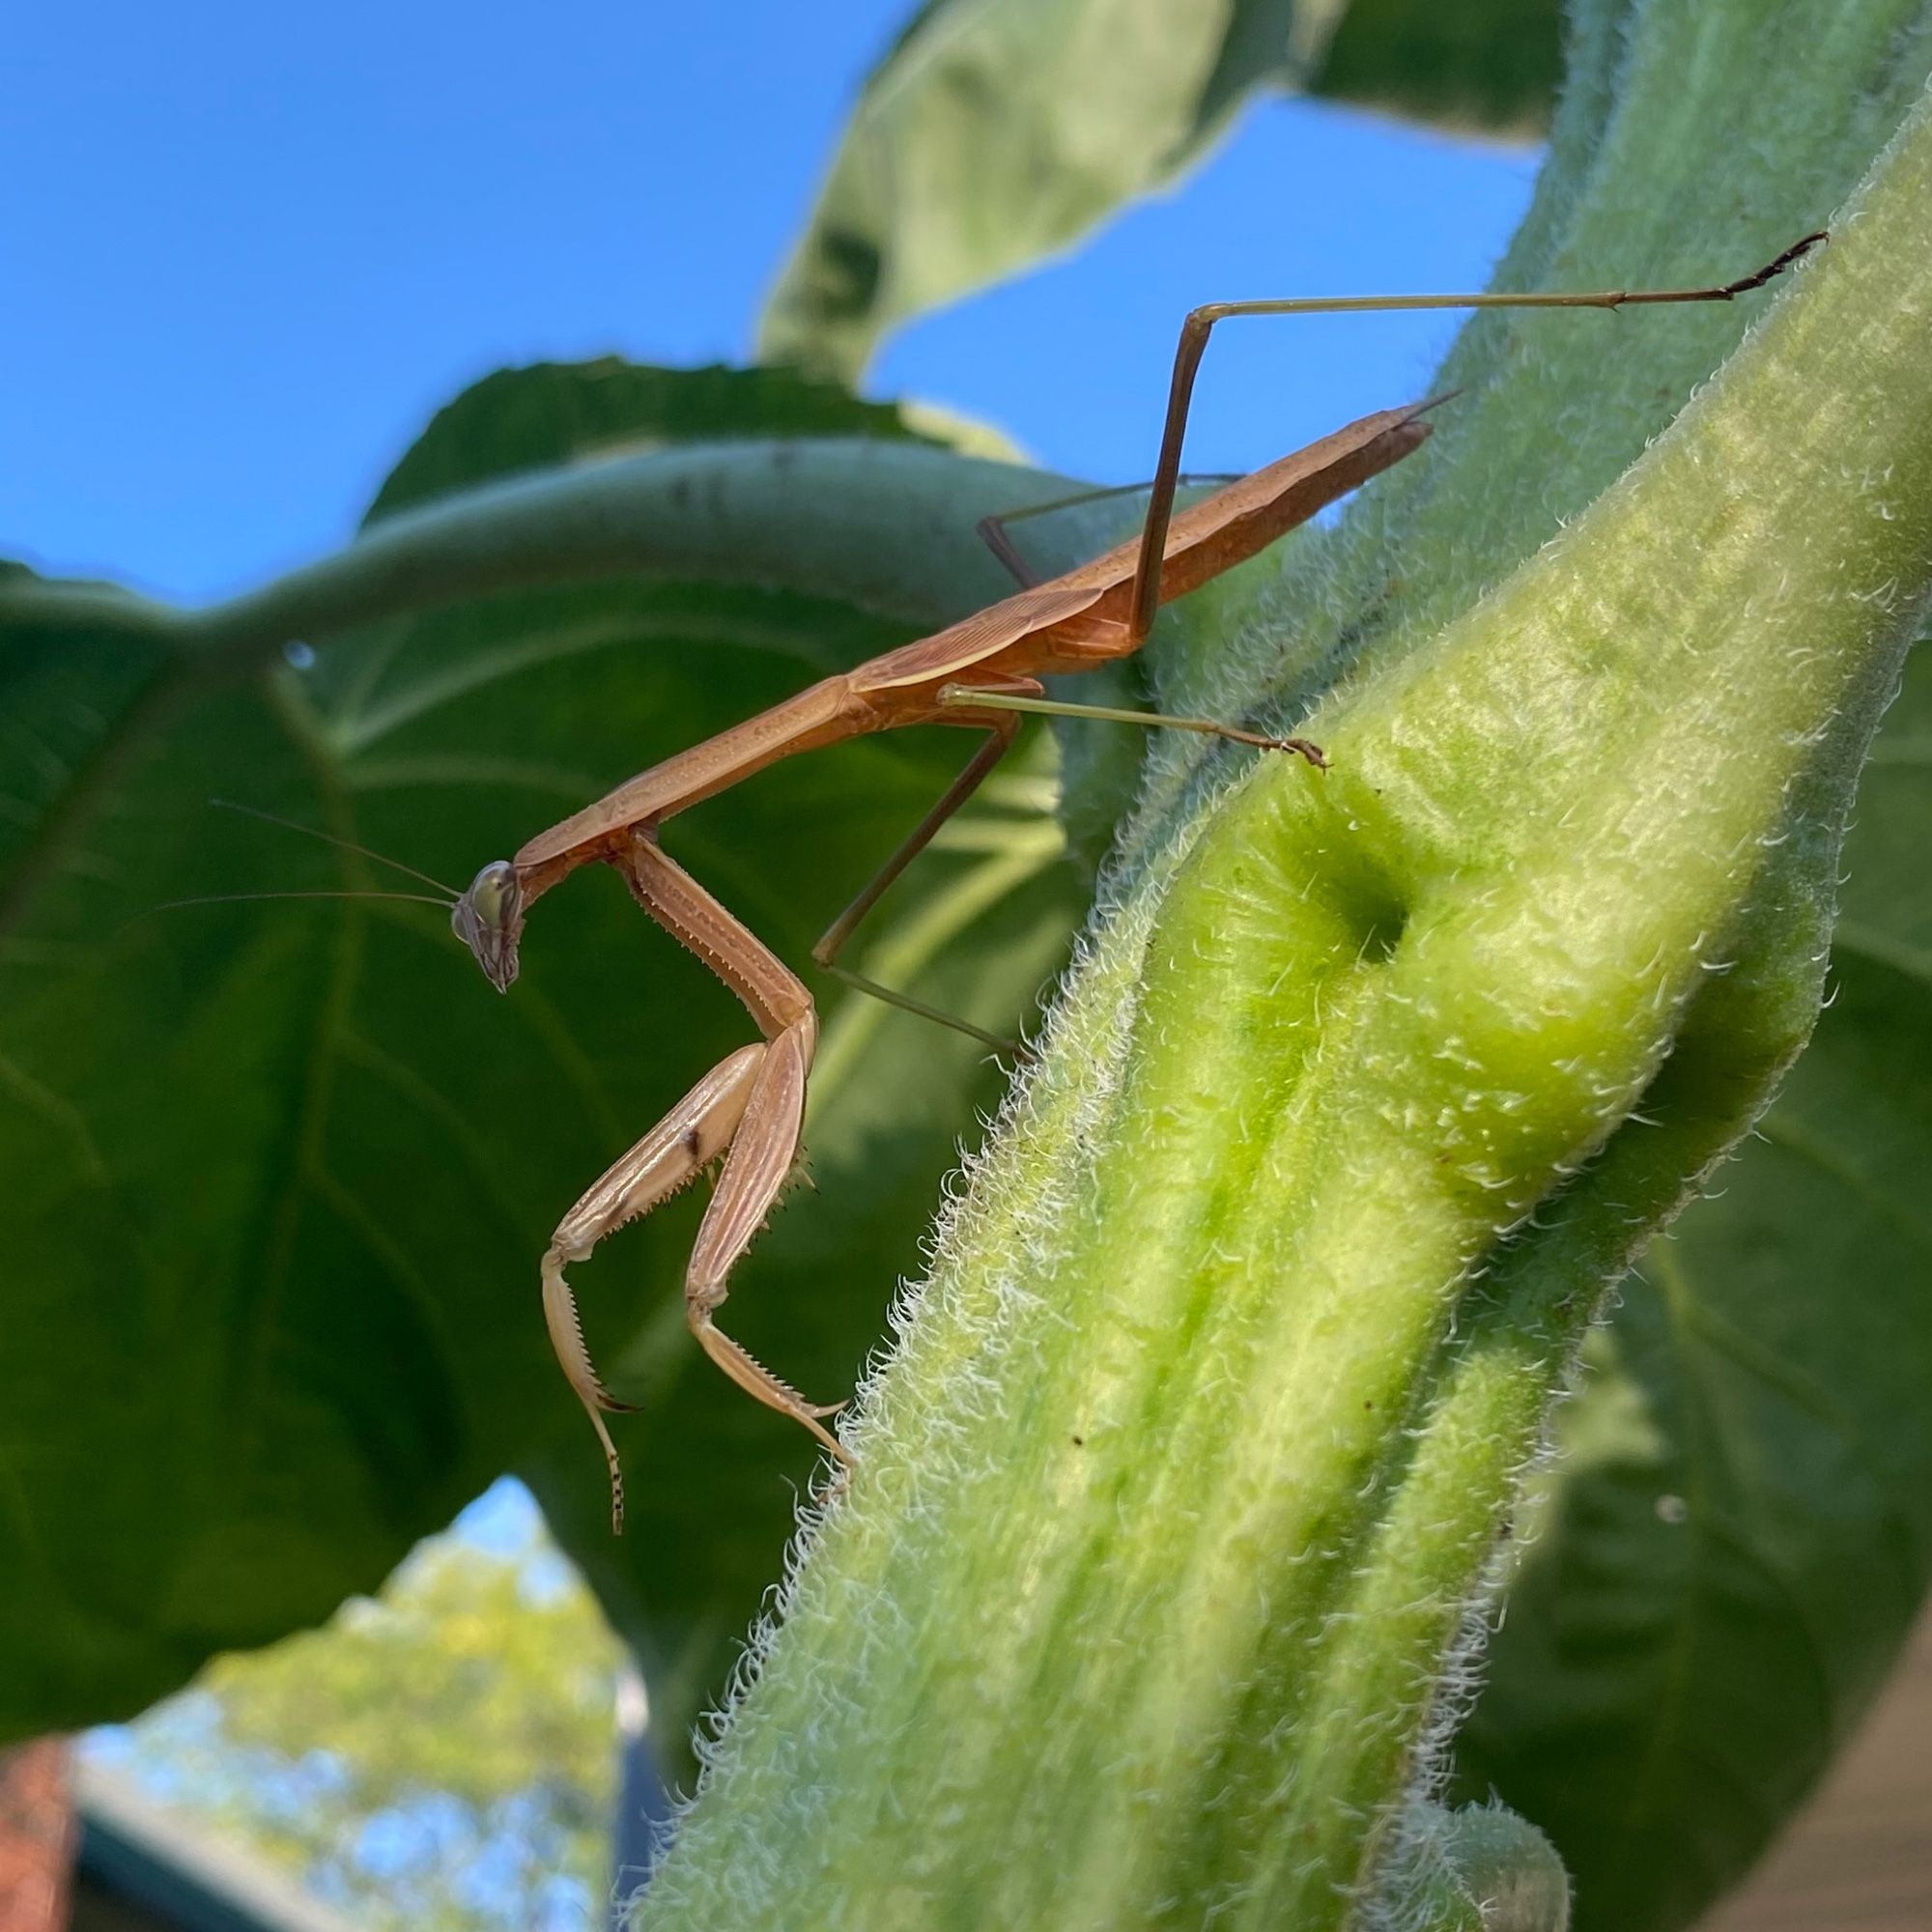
x=489 y=920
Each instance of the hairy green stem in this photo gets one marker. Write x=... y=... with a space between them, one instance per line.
x=1148 y=1600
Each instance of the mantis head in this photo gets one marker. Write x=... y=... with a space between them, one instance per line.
x=489 y=920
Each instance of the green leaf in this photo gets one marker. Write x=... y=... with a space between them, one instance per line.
x=995 y=131
x=116 y=717
x=534 y=418
x=1493 y=65
x=279 y=1173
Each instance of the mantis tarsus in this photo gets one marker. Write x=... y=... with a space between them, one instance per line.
x=982 y=672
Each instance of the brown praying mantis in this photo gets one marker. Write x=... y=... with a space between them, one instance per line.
x=982 y=673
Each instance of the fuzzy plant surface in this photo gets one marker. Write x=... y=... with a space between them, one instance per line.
x=1156 y=1592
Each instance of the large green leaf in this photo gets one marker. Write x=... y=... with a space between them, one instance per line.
x=530 y=419
x=278 y=1174
x=994 y=133
x=113 y=1059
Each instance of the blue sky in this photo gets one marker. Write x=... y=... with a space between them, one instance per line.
x=248 y=250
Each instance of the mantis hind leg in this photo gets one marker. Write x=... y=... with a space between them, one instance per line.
x=1199 y=323
x=966 y=694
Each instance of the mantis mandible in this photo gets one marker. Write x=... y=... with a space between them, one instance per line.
x=982 y=673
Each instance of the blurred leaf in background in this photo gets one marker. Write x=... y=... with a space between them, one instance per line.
x=994 y=133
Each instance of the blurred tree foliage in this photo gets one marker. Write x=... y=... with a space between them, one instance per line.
x=439 y=1756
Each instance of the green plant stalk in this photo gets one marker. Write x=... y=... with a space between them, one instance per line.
x=1152 y=1593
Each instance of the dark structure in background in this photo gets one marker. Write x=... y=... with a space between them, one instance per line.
x=82 y=1846
x=142 y=1868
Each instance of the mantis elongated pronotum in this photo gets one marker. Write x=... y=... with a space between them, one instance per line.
x=982 y=672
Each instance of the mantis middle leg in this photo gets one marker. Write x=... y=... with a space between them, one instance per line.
x=999 y=741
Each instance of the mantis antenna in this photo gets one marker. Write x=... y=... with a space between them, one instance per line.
x=330 y=838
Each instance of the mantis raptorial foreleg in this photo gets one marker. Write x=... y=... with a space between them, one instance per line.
x=761 y=1159
x=748 y=1110
x=693 y=1134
